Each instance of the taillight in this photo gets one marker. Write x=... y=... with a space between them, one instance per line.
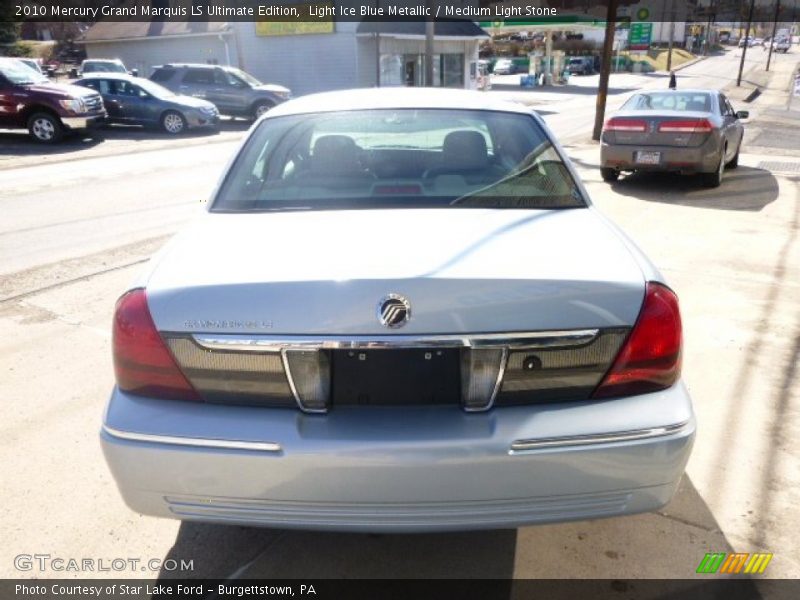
x=686 y=126
x=621 y=124
x=650 y=359
x=142 y=362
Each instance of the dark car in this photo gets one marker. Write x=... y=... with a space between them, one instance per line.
x=28 y=100
x=135 y=101
x=233 y=91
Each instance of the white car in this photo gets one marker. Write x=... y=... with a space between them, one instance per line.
x=400 y=312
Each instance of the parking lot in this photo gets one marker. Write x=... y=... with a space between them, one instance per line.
x=80 y=220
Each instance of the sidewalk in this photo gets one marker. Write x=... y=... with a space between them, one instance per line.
x=772 y=86
x=774 y=128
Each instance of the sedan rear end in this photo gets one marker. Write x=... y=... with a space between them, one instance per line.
x=677 y=131
x=387 y=321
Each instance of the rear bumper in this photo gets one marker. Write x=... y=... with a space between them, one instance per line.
x=700 y=159
x=84 y=122
x=398 y=470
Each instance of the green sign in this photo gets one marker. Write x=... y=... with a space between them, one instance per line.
x=640 y=36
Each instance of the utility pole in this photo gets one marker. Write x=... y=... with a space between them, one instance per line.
x=774 y=30
x=605 y=69
x=744 y=47
x=711 y=12
x=671 y=36
x=429 y=35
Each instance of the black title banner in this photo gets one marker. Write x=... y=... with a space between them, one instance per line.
x=398 y=589
x=501 y=12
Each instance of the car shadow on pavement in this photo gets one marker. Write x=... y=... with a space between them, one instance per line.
x=744 y=188
x=137 y=132
x=667 y=544
x=218 y=551
x=19 y=143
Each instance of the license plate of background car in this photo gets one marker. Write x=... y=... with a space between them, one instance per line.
x=395 y=377
x=648 y=158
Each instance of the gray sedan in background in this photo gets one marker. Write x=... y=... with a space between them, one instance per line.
x=685 y=131
x=400 y=312
x=131 y=100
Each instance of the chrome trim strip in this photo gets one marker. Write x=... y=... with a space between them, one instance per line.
x=290 y=379
x=512 y=341
x=521 y=446
x=271 y=447
x=497 y=384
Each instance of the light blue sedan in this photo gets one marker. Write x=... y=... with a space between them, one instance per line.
x=399 y=313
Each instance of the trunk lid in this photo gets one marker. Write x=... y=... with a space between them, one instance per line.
x=462 y=270
x=652 y=136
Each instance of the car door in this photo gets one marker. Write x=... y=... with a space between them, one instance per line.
x=737 y=126
x=8 y=103
x=197 y=81
x=138 y=103
x=727 y=127
x=229 y=93
x=115 y=99
x=105 y=89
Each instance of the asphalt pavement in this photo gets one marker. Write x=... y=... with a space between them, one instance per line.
x=75 y=231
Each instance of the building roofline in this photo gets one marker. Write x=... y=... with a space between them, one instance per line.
x=157 y=37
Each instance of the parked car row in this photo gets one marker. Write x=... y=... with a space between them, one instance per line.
x=176 y=98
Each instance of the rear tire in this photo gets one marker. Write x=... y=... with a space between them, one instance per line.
x=609 y=175
x=45 y=128
x=714 y=180
x=734 y=162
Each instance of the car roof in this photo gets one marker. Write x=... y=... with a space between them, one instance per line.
x=103 y=60
x=189 y=65
x=102 y=75
x=679 y=91
x=396 y=97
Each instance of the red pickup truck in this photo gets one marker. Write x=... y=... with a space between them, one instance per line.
x=47 y=110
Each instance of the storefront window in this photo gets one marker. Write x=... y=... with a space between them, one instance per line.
x=409 y=70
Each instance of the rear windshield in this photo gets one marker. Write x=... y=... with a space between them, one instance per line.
x=103 y=67
x=680 y=101
x=19 y=73
x=398 y=158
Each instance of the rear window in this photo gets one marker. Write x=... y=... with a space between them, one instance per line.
x=202 y=76
x=103 y=67
x=680 y=101
x=18 y=73
x=398 y=158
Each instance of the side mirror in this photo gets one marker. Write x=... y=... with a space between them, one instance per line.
x=743 y=114
x=134 y=72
